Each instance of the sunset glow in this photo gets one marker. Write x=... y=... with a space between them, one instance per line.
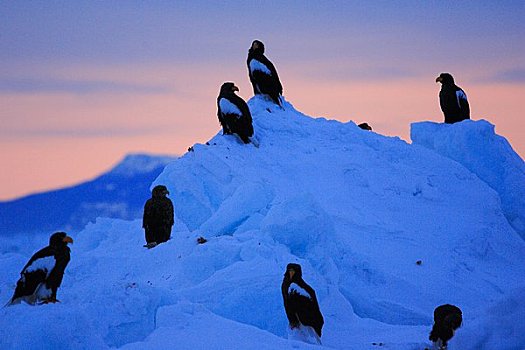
x=83 y=85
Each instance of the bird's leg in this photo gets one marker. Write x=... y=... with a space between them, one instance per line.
x=51 y=300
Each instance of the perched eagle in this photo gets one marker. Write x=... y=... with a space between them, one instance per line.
x=158 y=217
x=452 y=99
x=263 y=75
x=233 y=113
x=300 y=301
x=447 y=318
x=42 y=275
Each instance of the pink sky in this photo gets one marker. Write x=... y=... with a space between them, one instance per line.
x=169 y=124
x=82 y=87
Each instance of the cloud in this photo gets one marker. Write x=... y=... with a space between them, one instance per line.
x=356 y=72
x=39 y=85
x=83 y=132
x=513 y=76
x=377 y=74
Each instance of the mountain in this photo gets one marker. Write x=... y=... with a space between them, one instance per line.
x=384 y=230
x=119 y=193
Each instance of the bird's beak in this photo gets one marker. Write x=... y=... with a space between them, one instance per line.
x=68 y=239
x=439 y=80
x=235 y=88
x=167 y=192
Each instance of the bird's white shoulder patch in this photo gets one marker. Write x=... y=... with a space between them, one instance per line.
x=47 y=264
x=461 y=95
x=294 y=287
x=257 y=65
x=228 y=108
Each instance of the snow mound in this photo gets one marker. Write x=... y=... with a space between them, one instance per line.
x=477 y=147
x=498 y=327
x=384 y=231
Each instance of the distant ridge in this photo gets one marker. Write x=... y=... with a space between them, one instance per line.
x=119 y=193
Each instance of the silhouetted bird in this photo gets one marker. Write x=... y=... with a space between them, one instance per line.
x=300 y=301
x=263 y=75
x=452 y=99
x=365 y=126
x=447 y=318
x=43 y=273
x=158 y=217
x=234 y=114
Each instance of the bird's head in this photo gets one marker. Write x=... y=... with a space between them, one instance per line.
x=453 y=320
x=445 y=79
x=228 y=88
x=293 y=272
x=58 y=239
x=257 y=47
x=159 y=191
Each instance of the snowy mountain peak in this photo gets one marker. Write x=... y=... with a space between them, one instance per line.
x=118 y=193
x=134 y=164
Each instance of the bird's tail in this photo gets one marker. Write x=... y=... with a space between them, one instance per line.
x=255 y=141
x=433 y=336
x=280 y=102
x=441 y=333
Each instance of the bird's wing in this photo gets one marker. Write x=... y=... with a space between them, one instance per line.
x=257 y=66
x=228 y=107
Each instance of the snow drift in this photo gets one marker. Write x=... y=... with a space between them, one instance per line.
x=385 y=231
x=477 y=147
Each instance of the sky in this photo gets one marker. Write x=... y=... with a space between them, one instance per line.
x=84 y=83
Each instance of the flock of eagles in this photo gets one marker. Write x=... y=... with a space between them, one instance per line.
x=42 y=275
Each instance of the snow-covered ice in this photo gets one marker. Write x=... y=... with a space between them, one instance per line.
x=356 y=209
x=477 y=147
